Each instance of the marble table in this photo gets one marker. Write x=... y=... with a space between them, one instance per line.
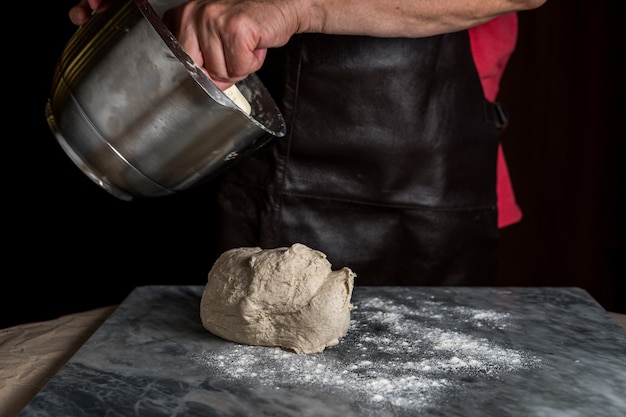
x=410 y=351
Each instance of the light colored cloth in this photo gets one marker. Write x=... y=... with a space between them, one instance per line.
x=620 y=319
x=31 y=354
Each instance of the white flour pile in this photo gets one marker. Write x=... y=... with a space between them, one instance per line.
x=394 y=355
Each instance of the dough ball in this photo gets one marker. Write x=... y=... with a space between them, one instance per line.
x=285 y=297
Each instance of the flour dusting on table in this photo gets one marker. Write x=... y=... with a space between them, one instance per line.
x=396 y=354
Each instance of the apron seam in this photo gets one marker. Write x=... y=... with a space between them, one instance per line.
x=294 y=114
x=389 y=205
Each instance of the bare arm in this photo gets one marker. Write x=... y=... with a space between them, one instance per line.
x=229 y=38
x=401 y=18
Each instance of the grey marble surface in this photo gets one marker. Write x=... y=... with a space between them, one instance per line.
x=410 y=351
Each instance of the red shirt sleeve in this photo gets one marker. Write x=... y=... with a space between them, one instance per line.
x=492 y=44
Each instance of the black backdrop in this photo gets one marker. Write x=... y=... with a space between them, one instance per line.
x=70 y=246
x=565 y=148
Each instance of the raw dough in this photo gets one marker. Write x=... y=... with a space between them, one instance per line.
x=285 y=297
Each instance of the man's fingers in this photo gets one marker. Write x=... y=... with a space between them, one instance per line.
x=80 y=13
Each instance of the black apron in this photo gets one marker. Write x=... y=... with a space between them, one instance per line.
x=388 y=165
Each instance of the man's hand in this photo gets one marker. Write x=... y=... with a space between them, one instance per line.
x=229 y=38
x=81 y=13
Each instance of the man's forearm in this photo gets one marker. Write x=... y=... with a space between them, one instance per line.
x=402 y=18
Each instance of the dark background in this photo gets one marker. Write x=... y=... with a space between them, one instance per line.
x=564 y=145
x=70 y=246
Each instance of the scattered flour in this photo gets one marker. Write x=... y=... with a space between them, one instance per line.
x=395 y=355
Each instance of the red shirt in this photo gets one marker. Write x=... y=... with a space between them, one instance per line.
x=492 y=45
